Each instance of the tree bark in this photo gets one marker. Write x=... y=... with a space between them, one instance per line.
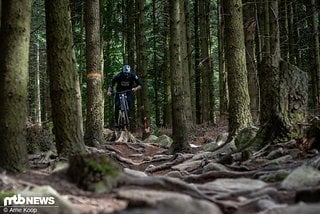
x=185 y=59
x=224 y=101
x=94 y=121
x=14 y=56
x=179 y=123
x=197 y=63
x=239 y=106
x=315 y=71
x=253 y=85
x=205 y=62
x=64 y=81
x=143 y=101
x=167 y=114
x=284 y=30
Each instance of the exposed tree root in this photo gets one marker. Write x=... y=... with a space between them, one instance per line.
x=178 y=159
x=125 y=137
x=210 y=176
x=166 y=183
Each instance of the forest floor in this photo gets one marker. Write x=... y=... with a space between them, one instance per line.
x=196 y=181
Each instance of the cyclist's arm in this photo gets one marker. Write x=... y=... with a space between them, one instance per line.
x=138 y=82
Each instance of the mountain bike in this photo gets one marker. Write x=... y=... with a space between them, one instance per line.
x=123 y=117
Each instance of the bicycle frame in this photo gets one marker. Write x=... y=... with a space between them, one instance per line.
x=123 y=118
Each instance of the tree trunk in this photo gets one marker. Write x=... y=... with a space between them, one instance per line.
x=284 y=30
x=64 y=81
x=190 y=64
x=143 y=102
x=185 y=59
x=108 y=19
x=273 y=122
x=167 y=108
x=293 y=32
x=224 y=102
x=94 y=121
x=197 y=63
x=239 y=106
x=179 y=123
x=14 y=56
x=253 y=85
x=130 y=33
x=156 y=70
x=37 y=94
x=205 y=62
x=315 y=71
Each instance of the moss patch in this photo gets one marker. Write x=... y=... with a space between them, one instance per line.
x=5 y=194
x=94 y=172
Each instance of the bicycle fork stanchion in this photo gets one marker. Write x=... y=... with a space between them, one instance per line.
x=123 y=118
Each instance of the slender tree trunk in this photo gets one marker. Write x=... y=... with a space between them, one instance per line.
x=250 y=28
x=130 y=33
x=185 y=62
x=14 y=46
x=212 y=116
x=143 y=102
x=191 y=82
x=109 y=6
x=167 y=108
x=293 y=40
x=197 y=63
x=224 y=101
x=94 y=121
x=205 y=62
x=315 y=71
x=239 y=106
x=284 y=30
x=156 y=70
x=64 y=80
x=179 y=123
x=37 y=93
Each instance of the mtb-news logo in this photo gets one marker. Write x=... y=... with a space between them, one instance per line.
x=26 y=204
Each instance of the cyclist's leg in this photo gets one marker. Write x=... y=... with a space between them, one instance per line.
x=122 y=112
x=130 y=103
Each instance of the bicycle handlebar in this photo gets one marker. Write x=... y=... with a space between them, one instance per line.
x=120 y=92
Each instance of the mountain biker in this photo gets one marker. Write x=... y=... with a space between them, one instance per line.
x=126 y=82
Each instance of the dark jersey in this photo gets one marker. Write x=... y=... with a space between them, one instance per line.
x=125 y=81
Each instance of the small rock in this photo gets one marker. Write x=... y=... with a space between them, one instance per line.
x=302 y=177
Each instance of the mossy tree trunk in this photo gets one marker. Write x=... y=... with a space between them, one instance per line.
x=179 y=123
x=94 y=119
x=283 y=87
x=272 y=118
x=64 y=81
x=239 y=100
x=14 y=56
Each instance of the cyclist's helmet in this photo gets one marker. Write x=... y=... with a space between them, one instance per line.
x=126 y=69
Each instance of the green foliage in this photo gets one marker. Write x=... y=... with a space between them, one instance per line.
x=5 y=194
